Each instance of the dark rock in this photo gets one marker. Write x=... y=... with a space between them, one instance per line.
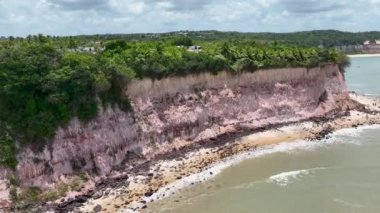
x=80 y=199
x=90 y=193
x=98 y=208
x=113 y=184
x=149 y=193
x=97 y=195
x=100 y=184
x=77 y=204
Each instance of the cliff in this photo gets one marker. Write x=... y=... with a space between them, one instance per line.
x=174 y=112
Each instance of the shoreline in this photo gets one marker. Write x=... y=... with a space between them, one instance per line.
x=130 y=188
x=166 y=177
x=217 y=168
x=364 y=55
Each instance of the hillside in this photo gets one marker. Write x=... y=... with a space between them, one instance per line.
x=325 y=38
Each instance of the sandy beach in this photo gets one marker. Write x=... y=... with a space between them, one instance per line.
x=166 y=177
x=364 y=55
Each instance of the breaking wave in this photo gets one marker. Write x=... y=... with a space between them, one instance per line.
x=285 y=178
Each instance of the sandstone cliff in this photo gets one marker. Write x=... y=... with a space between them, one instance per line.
x=179 y=111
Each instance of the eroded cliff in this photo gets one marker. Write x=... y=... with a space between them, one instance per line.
x=180 y=111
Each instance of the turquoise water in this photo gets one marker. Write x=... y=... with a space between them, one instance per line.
x=340 y=174
x=363 y=75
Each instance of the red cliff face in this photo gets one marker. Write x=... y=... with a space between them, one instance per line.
x=178 y=111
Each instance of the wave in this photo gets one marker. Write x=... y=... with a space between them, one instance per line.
x=285 y=178
x=346 y=203
x=349 y=135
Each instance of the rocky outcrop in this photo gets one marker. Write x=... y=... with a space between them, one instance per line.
x=178 y=111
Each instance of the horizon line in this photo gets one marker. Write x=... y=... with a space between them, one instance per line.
x=179 y=31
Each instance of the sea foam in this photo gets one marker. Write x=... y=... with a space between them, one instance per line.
x=285 y=178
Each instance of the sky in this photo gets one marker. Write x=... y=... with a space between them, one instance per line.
x=74 y=17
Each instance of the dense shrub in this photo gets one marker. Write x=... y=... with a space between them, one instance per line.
x=43 y=88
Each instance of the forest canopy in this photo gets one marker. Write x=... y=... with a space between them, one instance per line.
x=46 y=81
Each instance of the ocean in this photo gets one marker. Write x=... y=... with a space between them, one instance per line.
x=338 y=174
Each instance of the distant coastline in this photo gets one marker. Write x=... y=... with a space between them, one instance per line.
x=364 y=55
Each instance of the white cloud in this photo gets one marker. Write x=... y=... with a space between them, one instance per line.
x=137 y=7
x=232 y=11
x=164 y=5
x=126 y=7
x=376 y=3
x=17 y=19
x=64 y=17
